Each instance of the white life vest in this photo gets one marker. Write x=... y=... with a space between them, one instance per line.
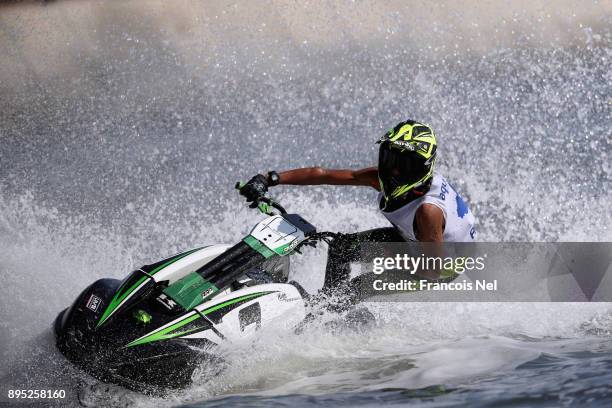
x=459 y=220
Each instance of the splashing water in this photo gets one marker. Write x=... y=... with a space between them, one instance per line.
x=128 y=149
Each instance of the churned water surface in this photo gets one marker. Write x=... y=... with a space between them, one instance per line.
x=123 y=135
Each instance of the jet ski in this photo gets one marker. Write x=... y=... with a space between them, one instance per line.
x=154 y=328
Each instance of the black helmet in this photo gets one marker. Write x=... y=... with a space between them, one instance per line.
x=406 y=158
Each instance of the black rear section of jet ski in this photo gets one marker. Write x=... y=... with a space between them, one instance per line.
x=167 y=364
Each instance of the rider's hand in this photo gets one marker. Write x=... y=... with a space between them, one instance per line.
x=255 y=189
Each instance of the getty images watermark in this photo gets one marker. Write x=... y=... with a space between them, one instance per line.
x=514 y=272
x=439 y=269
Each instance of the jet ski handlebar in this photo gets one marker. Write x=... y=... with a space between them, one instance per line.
x=264 y=203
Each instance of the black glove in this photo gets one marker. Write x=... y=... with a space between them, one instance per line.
x=255 y=189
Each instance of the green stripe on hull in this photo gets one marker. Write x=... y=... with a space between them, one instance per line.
x=120 y=296
x=166 y=333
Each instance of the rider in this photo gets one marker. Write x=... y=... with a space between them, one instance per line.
x=420 y=204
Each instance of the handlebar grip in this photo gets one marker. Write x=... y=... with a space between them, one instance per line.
x=264 y=199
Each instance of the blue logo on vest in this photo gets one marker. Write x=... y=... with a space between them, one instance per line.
x=462 y=207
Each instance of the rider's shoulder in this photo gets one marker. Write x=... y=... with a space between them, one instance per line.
x=437 y=183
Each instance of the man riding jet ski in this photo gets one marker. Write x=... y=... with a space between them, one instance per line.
x=165 y=321
x=420 y=204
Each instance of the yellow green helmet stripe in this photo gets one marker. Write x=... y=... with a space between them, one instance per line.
x=413 y=136
x=410 y=138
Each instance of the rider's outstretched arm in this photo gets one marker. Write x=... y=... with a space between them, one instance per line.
x=257 y=186
x=319 y=175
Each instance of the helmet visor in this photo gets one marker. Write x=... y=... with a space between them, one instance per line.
x=398 y=168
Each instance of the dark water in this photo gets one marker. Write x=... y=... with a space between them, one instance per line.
x=122 y=138
x=537 y=383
